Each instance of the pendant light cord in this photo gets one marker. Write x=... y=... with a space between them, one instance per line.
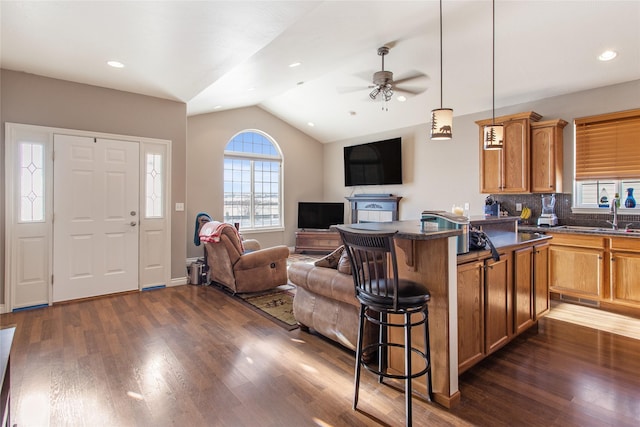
x=493 y=66
x=441 y=75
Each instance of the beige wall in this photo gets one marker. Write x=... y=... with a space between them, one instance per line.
x=210 y=133
x=36 y=100
x=438 y=174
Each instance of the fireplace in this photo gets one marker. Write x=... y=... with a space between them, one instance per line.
x=374 y=207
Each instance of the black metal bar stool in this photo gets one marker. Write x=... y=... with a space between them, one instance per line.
x=381 y=292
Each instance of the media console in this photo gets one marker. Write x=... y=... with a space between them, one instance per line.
x=317 y=241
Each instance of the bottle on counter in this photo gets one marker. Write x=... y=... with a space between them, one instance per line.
x=603 y=202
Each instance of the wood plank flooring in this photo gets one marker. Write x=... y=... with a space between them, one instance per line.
x=189 y=355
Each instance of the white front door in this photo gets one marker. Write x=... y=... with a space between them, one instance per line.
x=96 y=218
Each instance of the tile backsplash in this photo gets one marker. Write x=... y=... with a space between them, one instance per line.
x=562 y=210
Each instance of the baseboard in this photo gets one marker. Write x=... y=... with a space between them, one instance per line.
x=177 y=281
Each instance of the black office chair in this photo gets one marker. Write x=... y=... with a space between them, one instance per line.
x=381 y=292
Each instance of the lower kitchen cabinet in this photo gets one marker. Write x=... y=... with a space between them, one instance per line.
x=498 y=302
x=470 y=314
x=625 y=271
x=576 y=265
x=541 y=304
x=523 y=289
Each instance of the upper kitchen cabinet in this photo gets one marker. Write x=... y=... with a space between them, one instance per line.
x=507 y=170
x=546 y=156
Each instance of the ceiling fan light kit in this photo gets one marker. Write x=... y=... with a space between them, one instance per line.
x=493 y=134
x=441 y=118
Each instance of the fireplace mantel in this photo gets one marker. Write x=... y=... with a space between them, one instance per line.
x=374 y=207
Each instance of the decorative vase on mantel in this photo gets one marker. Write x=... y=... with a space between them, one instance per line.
x=630 y=202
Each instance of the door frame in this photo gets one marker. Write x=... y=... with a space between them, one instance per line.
x=16 y=133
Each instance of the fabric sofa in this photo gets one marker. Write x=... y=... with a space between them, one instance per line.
x=325 y=299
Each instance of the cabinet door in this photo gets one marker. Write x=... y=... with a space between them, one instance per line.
x=576 y=271
x=498 y=303
x=541 y=280
x=625 y=277
x=470 y=314
x=490 y=171
x=523 y=287
x=546 y=156
x=515 y=157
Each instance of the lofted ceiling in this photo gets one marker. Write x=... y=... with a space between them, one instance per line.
x=219 y=55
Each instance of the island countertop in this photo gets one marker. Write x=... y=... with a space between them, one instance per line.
x=407 y=229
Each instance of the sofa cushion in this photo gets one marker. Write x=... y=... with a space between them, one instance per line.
x=327 y=282
x=331 y=260
x=344 y=264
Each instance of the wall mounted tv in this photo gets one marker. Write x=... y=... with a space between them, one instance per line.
x=319 y=215
x=375 y=163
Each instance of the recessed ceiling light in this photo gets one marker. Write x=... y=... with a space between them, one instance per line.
x=217 y=107
x=402 y=98
x=115 y=64
x=311 y=124
x=295 y=64
x=607 y=55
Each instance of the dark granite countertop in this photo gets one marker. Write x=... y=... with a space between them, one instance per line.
x=406 y=229
x=576 y=229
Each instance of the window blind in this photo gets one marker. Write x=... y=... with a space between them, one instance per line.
x=608 y=146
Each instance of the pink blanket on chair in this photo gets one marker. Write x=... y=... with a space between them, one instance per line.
x=212 y=230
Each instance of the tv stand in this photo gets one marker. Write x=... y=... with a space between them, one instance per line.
x=317 y=241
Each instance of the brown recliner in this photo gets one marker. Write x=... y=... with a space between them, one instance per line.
x=244 y=272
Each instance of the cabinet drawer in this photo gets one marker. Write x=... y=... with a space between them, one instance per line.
x=625 y=244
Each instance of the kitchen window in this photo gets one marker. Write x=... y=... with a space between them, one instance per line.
x=607 y=159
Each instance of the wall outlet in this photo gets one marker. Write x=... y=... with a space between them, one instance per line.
x=179 y=207
x=518 y=207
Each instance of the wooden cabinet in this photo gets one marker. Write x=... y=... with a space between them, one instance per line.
x=625 y=271
x=576 y=265
x=507 y=170
x=470 y=314
x=541 y=280
x=317 y=241
x=546 y=156
x=498 y=303
x=523 y=314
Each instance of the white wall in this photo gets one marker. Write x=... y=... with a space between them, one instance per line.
x=438 y=174
x=208 y=134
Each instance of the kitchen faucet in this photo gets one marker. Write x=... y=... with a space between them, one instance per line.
x=614 y=211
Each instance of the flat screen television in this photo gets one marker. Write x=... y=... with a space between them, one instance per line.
x=375 y=163
x=319 y=215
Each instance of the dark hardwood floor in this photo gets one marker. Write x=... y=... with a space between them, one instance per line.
x=193 y=356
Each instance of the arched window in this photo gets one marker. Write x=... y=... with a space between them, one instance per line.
x=253 y=181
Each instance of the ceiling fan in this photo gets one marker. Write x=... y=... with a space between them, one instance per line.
x=384 y=84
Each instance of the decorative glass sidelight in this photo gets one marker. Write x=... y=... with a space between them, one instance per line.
x=153 y=186
x=31 y=182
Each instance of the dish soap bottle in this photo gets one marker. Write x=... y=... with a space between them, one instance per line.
x=631 y=201
x=604 y=198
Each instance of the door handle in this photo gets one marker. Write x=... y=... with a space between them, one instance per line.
x=133 y=223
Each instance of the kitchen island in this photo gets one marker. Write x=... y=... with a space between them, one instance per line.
x=430 y=257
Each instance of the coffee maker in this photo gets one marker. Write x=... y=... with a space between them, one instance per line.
x=548 y=216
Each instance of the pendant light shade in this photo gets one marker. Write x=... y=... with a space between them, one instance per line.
x=493 y=134
x=441 y=118
x=441 y=123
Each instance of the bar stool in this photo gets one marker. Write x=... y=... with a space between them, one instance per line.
x=381 y=292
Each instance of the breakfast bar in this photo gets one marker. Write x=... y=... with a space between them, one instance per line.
x=431 y=257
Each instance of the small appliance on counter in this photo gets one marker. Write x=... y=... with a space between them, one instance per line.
x=491 y=207
x=548 y=216
x=448 y=221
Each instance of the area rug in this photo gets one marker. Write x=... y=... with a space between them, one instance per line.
x=275 y=304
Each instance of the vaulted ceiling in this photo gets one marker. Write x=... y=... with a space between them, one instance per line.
x=218 y=55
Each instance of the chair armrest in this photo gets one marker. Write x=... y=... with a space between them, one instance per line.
x=262 y=257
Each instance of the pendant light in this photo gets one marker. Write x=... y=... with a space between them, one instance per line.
x=493 y=134
x=441 y=118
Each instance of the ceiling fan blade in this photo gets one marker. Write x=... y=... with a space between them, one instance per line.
x=413 y=76
x=411 y=91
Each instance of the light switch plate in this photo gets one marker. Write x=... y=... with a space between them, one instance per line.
x=518 y=207
x=179 y=207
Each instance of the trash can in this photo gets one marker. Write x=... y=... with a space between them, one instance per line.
x=196 y=273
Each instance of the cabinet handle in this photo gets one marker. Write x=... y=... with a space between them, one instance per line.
x=613 y=259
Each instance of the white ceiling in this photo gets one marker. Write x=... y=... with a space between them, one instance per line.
x=211 y=53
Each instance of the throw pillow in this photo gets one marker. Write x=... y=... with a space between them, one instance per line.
x=331 y=260
x=344 y=265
